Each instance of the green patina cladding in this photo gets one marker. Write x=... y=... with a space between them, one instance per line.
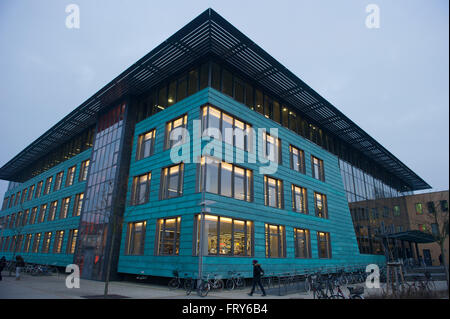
x=66 y=224
x=343 y=240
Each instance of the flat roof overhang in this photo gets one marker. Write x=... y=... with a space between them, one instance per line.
x=415 y=236
x=211 y=35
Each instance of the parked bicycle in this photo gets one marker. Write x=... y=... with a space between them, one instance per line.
x=235 y=281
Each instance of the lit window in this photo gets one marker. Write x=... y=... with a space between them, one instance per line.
x=58 y=181
x=57 y=245
x=226 y=179
x=42 y=212
x=36 y=242
x=273 y=192
x=324 y=246
x=140 y=189
x=302 y=243
x=299 y=199
x=225 y=236
x=179 y=123
x=172 y=181
x=48 y=185
x=145 y=145
x=71 y=243
x=70 y=176
x=46 y=242
x=233 y=131
x=52 y=210
x=275 y=241
x=38 y=189
x=84 y=170
x=78 y=204
x=317 y=168
x=272 y=148
x=135 y=238
x=168 y=234
x=320 y=202
x=64 y=208
x=297 y=159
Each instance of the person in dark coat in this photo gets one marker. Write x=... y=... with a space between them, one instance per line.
x=2 y=266
x=258 y=272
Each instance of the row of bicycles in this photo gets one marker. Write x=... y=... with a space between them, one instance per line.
x=333 y=285
x=207 y=283
x=33 y=269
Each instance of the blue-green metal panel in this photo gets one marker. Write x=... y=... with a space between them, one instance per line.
x=343 y=240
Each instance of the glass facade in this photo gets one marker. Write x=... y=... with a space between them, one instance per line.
x=97 y=209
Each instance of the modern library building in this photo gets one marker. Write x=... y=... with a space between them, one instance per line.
x=144 y=177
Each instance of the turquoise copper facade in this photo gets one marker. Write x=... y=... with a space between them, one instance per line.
x=344 y=246
x=66 y=224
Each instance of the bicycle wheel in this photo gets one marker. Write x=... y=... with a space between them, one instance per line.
x=173 y=283
x=203 y=289
x=188 y=286
x=240 y=283
x=230 y=284
x=218 y=284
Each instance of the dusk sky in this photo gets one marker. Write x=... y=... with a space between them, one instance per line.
x=392 y=81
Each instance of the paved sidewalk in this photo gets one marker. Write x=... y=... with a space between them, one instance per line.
x=53 y=287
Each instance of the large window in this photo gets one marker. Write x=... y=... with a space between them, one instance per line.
x=318 y=171
x=84 y=170
x=275 y=241
x=226 y=179
x=36 y=242
x=72 y=241
x=320 y=203
x=168 y=235
x=273 y=192
x=140 y=190
x=302 y=243
x=5 y=203
x=52 y=211
x=24 y=195
x=46 y=242
x=26 y=246
x=145 y=145
x=57 y=245
x=135 y=238
x=180 y=122
x=30 y=192
x=38 y=189
x=11 y=201
x=324 y=245
x=234 y=131
x=272 y=148
x=78 y=205
x=33 y=215
x=70 y=176
x=299 y=199
x=297 y=159
x=58 y=181
x=65 y=203
x=225 y=236
x=48 y=185
x=172 y=181
x=42 y=211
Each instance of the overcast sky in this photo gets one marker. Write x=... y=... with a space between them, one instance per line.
x=391 y=81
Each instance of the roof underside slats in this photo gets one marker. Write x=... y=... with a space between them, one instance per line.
x=210 y=34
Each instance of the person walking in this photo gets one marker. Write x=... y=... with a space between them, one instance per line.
x=257 y=273
x=2 y=266
x=20 y=263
